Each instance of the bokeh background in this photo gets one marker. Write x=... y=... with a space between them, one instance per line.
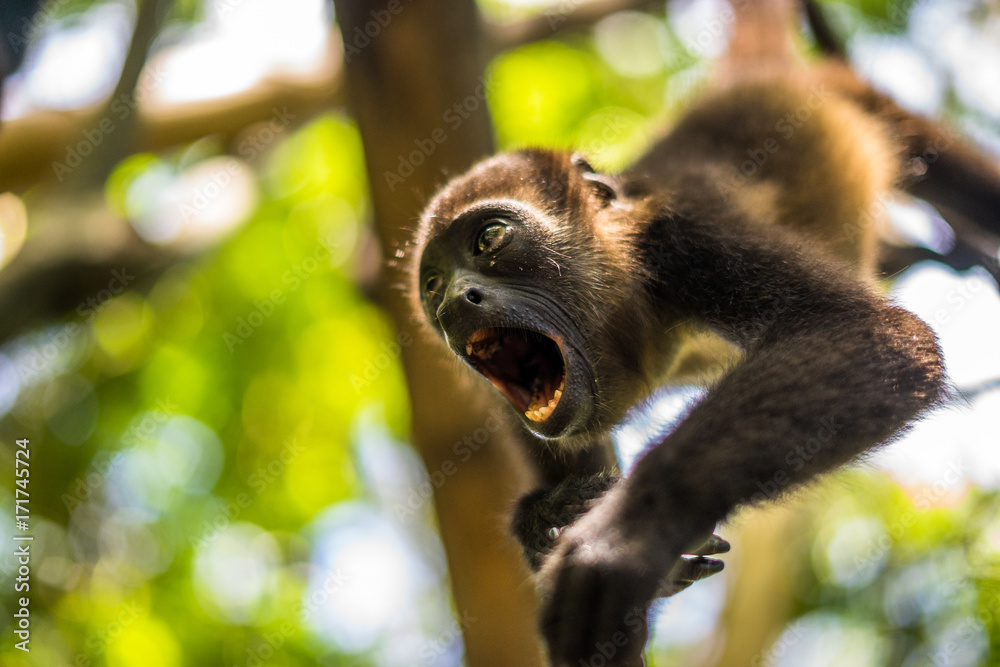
x=194 y=339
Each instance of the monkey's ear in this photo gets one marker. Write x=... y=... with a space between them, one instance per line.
x=604 y=185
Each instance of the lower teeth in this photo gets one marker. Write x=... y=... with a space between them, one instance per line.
x=541 y=412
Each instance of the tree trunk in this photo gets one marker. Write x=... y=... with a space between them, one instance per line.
x=407 y=65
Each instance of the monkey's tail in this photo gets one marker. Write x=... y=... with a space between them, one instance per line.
x=942 y=168
x=762 y=35
x=960 y=181
x=764 y=30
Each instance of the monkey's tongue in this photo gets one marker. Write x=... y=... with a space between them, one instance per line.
x=526 y=366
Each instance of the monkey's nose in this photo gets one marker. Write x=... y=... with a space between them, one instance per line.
x=461 y=301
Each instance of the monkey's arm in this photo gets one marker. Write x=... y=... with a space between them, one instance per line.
x=831 y=369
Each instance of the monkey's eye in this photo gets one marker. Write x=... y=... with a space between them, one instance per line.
x=492 y=236
x=432 y=285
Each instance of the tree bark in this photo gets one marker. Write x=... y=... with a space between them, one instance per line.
x=403 y=76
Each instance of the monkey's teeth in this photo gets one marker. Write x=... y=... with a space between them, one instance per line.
x=541 y=413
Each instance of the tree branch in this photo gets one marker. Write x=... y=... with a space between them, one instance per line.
x=111 y=151
x=31 y=146
x=64 y=265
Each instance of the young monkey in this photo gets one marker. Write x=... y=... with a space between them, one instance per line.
x=577 y=293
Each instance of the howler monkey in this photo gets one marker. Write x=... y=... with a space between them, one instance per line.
x=577 y=293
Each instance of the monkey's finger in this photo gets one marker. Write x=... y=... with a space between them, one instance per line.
x=713 y=545
x=686 y=572
x=699 y=567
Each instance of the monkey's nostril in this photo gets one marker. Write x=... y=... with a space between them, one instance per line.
x=473 y=295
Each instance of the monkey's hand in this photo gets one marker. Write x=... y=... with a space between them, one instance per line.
x=597 y=586
x=604 y=573
x=542 y=516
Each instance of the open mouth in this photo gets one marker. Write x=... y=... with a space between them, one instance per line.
x=527 y=367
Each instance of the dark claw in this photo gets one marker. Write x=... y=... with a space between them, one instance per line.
x=710 y=546
x=689 y=570
x=713 y=545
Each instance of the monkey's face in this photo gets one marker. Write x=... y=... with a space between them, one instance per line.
x=506 y=268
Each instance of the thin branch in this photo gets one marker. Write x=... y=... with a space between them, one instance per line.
x=962 y=257
x=829 y=43
x=108 y=153
x=30 y=147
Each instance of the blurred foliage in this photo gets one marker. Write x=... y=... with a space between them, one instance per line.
x=895 y=576
x=186 y=434
x=883 y=15
x=239 y=376
x=182 y=10
x=565 y=94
